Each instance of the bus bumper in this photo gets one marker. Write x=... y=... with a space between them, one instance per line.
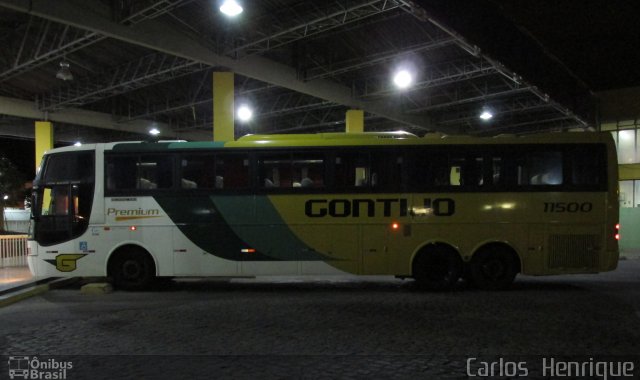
x=613 y=256
x=31 y=261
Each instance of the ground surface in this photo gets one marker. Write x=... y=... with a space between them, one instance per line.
x=346 y=327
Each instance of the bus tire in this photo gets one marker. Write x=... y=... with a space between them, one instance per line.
x=132 y=268
x=437 y=267
x=493 y=268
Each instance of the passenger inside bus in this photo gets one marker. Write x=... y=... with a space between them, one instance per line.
x=306 y=182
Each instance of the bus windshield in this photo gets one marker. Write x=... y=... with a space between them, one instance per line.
x=62 y=197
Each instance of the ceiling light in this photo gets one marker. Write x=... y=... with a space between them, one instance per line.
x=403 y=79
x=64 y=73
x=244 y=113
x=154 y=131
x=486 y=114
x=231 y=8
x=77 y=143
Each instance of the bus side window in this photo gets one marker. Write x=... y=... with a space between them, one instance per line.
x=155 y=172
x=466 y=171
x=197 y=172
x=586 y=164
x=545 y=168
x=455 y=176
x=496 y=171
x=539 y=169
x=352 y=170
x=308 y=170
x=360 y=176
x=472 y=174
x=428 y=170
x=232 y=171
x=121 y=173
x=387 y=171
x=275 y=171
x=455 y=171
x=220 y=171
x=140 y=172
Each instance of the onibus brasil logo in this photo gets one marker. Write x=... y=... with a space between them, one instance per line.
x=32 y=368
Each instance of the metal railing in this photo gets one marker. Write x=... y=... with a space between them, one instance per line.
x=13 y=250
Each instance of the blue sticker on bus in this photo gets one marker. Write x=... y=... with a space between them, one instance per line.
x=84 y=246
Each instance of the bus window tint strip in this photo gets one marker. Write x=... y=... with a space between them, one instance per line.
x=208 y=171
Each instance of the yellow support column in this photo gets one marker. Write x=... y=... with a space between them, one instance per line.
x=223 y=106
x=44 y=139
x=628 y=172
x=355 y=121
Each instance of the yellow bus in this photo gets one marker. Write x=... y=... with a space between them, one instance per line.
x=435 y=209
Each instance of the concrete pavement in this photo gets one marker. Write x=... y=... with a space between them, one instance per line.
x=11 y=277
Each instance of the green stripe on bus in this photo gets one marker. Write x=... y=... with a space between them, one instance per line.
x=142 y=147
x=268 y=233
x=228 y=227
x=199 y=220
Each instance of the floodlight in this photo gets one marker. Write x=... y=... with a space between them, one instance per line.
x=231 y=8
x=486 y=113
x=244 y=113
x=403 y=79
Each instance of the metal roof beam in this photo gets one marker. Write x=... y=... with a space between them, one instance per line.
x=26 y=109
x=23 y=128
x=333 y=19
x=516 y=106
x=548 y=124
x=148 y=70
x=437 y=75
x=69 y=43
x=94 y=16
x=474 y=99
x=374 y=59
x=183 y=101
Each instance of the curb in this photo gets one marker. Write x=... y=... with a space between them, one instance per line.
x=27 y=285
x=24 y=293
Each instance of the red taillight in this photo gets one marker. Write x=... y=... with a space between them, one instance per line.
x=617 y=232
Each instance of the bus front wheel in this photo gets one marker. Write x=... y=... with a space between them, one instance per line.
x=132 y=269
x=493 y=269
x=437 y=268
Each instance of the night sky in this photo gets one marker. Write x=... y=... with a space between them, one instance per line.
x=21 y=152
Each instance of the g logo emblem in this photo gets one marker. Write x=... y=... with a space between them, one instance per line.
x=66 y=262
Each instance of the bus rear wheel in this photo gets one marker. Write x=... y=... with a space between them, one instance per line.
x=493 y=269
x=132 y=269
x=437 y=268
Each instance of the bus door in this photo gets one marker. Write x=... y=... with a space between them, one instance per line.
x=374 y=247
x=536 y=258
x=61 y=212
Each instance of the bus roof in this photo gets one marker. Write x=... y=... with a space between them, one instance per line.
x=399 y=138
